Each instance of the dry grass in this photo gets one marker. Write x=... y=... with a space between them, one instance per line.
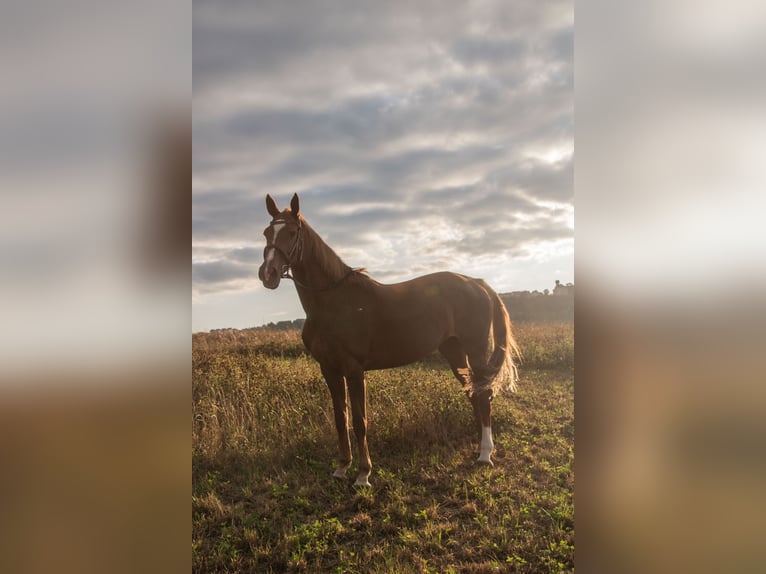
x=264 y=445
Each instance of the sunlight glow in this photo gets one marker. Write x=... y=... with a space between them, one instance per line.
x=552 y=155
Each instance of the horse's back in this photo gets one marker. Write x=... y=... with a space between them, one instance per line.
x=413 y=318
x=445 y=292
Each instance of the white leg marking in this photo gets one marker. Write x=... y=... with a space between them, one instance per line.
x=363 y=479
x=486 y=445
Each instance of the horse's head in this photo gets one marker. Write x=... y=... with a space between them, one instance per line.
x=283 y=242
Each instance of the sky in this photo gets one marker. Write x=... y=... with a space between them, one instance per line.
x=420 y=136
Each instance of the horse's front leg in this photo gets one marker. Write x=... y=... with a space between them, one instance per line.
x=337 y=385
x=358 y=392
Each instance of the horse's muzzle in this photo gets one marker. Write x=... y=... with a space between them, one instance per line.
x=269 y=276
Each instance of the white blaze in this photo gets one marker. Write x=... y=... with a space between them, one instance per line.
x=270 y=254
x=277 y=228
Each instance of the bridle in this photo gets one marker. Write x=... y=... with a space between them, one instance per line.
x=298 y=247
x=297 y=244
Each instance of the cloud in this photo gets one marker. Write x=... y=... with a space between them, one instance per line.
x=225 y=215
x=417 y=134
x=217 y=270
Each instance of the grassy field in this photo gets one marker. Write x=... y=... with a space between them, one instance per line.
x=264 y=446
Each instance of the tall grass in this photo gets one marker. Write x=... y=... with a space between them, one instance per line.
x=264 y=444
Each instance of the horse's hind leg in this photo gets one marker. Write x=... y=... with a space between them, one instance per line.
x=480 y=399
x=337 y=385
x=453 y=351
x=459 y=359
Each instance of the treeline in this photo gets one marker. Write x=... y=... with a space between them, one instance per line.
x=270 y=327
x=534 y=307
x=284 y=325
x=555 y=306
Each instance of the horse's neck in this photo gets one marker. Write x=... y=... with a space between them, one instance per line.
x=320 y=266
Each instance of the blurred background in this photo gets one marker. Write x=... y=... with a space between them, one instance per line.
x=671 y=307
x=95 y=284
x=95 y=156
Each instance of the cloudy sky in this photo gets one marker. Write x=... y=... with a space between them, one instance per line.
x=420 y=136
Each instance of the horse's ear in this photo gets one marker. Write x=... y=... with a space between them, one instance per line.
x=295 y=205
x=271 y=207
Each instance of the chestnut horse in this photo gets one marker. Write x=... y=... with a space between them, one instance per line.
x=354 y=324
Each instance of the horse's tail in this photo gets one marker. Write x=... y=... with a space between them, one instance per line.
x=501 y=373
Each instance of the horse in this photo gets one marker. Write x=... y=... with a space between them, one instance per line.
x=356 y=324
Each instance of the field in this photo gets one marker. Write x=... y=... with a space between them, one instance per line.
x=264 y=446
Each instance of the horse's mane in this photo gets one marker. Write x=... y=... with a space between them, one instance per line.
x=315 y=249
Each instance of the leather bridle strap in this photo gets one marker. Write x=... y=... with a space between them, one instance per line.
x=289 y=255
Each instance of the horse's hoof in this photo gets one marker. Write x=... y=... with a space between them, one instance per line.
x=487 y=461
x=340 y=473
x=362 y=481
